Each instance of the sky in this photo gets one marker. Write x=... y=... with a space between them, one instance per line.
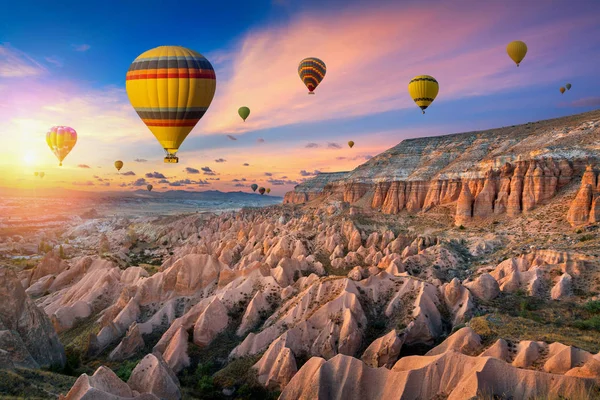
x=66 y=64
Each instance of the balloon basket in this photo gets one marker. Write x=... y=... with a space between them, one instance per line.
x=172 y=160
x=311 y=92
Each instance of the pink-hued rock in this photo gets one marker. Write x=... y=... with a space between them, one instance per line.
x=153 y=375
x=384 y=352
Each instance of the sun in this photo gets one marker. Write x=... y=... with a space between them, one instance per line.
x=29 y=158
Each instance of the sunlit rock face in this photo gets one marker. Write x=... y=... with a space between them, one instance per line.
x=506 y=170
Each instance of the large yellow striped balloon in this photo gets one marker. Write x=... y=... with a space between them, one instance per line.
x=423 y=89
x=516 y=51
x=171 y=88
x=61 y=140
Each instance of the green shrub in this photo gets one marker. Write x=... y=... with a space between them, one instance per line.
x=592 y=306
x=125 y=369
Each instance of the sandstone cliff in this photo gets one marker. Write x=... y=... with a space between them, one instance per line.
x=507 y=170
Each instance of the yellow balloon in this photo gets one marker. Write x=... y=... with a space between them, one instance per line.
x=351 y=144
x=118 y=165
x=423 y=89
x=170 y=87
x=562 y=89
x=61 y=140
x=516 y=50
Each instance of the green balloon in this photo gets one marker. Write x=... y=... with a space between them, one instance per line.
x=244 y=112
x=568 y=86
x=254 y=186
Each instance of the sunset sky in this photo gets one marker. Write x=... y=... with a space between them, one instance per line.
x=65 y=64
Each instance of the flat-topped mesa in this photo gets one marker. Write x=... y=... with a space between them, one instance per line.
x=507 y=170
x=312 y=188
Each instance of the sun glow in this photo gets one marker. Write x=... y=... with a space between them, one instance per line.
x=29 y=158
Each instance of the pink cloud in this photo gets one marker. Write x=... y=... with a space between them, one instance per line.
x=16 y=64
x=371 y=54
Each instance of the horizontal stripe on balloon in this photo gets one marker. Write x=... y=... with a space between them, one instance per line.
x=170 y=123
x=309 y=68
x=175 y=73
x=315 y=61
x=423 y=79
x=423 y=99
x=157 y=109
x=181 y=114
x=153 y=63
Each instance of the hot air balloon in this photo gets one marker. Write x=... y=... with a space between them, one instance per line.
x=61 y=140
x=254 y=186
x=423 y=89
x=36 y=173
x=516 y=50
x=42 y=174
x=118 y=165
x=149 y=187
x=562 y=89
x=261 y=191
x=351 y=144
x=268 y=190
x=171 y=87
x=312 y=71
x=244 y=112
x=568 y=86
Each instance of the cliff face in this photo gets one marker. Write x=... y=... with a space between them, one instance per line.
x=312 y=188
x=586 y=206
x=506 y=170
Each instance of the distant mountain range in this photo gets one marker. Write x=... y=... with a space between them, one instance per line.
x=211 y=195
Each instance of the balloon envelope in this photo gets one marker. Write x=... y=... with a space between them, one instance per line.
x=261 y=190
x=268 y=190
x=118 y=165
x=61 y=140
x=351 y=144
x=254 y=186
x=311 y=71
x=562 y=89
x=423 y=89
x=36 y=173
x=568 y=86
x=516 y=51
x=42 y=174
x=244 y=112
x=170 y=87
x=149 y=187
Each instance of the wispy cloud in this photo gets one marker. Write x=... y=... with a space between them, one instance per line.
x=208 y=171
x=231 y=137
x=191 y=170
x=331 y=145
x=281 y=182
x=17 y=64
x=155 y=175
x=260 y=140
x=139 y=182
x=140 y=160
x=268 y=174
x=587 y=102
x=220 y=160
x=381 y=39
x=83 y=166
x=87 y=183
x=308 y=173
x=128 y=173
x=59 y=62
x=81 y=47
x=246 y=165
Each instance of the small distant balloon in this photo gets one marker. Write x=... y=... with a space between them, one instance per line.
x=42 y=174
x=149 y=187
x=516 y=51
x=562 y=89
x=254 y=186
x=423 y=89
x=36 y=173
x=244 y=112
x=351 y=144
x=311 y=71
x=261 y=191
x=268 y=190
x=61 y=140
x=568 y=86
x=118 y=165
